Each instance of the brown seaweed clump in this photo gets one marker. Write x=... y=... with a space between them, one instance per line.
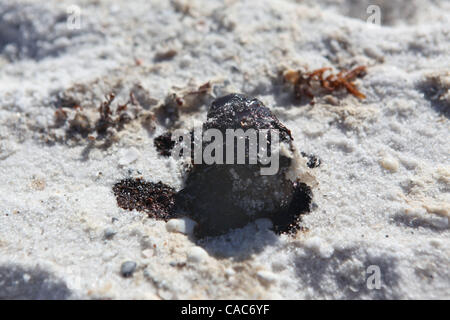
x=311 y=84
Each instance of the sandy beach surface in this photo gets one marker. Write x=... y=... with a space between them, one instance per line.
x=378 y=226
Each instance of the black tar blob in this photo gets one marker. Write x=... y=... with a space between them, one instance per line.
x=221 y=197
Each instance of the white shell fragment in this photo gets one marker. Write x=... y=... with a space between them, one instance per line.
x=196 y=255
x=389 y=163
x=266 y=277
x=182 y=225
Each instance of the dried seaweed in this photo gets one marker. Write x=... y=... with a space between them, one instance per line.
x=316 y=82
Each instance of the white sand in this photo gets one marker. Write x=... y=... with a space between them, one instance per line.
x=383 y=187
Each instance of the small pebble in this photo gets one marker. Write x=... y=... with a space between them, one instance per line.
x=266 y=277
x=230 y=272
x=127 y=269
x=183 y=225
x=196 y=254
x=389 y=163
x=109 y=233
x=409 y=163
x=26 y=277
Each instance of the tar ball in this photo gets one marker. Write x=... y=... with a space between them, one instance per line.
x=220 y=197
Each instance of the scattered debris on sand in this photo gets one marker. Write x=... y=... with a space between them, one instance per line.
x=156 y=199
x=322 y=81
x=188 y=100
x=220 y=197
x=164 y=144
x=75 y=123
